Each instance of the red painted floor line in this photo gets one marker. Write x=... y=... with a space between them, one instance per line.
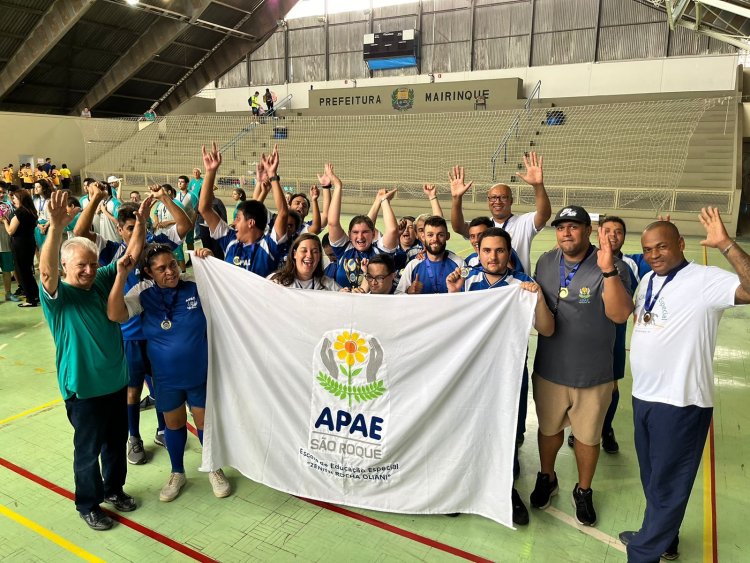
x=185 y=550
x=398 y=531
x=714 y=531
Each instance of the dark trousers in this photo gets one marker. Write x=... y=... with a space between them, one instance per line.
x=205 y=235
x=669 y=442
x=100 y=428
x=23 y=256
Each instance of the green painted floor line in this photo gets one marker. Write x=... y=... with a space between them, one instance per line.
x=259 y=524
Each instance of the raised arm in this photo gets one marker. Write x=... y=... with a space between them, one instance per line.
x=430 y=191
x=181 y=218
x=315 y=227
x=335 y=231
x=83 y=226
x=211 y=162
x=535 y=179
x=138 y=238
x=618 y=303
x=717 y=237
x=262 y=185
x=117 y=311
x=390 y=233
x=49 y=261
x=458 y=189
x=271 y=166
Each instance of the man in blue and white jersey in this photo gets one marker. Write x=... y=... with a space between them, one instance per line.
x=133 y=339
x=476 y=227
x=494 y=254
x=429 y=275
x=245 y=244
x=522 y=228
x=359 y=243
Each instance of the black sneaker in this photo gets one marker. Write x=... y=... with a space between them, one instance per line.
x=543 y=491
x=669 y=555
x=520 y=514
x=583 y=502
x=571 y=440
x=609 y=443
x=121 y=501
x=159 y=439
x=97 y=520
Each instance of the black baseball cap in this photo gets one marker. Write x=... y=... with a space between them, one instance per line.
x=572 y=213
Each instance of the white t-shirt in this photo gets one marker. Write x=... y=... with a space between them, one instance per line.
x=671 y=357
x=522 y=231
x=322 y=283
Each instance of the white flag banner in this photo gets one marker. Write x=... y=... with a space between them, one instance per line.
x=399 y=403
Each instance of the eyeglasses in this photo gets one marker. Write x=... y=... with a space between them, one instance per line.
x=499 y=198
x=379 y=279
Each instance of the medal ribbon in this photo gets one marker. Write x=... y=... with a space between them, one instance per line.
x=649 y=303
x=436 y=283
x=506 y=221
x=168 y=310
x=565 y=280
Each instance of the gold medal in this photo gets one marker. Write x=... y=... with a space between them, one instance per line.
x=465 y=272
x=563 y=292
x=237 y=260
x=166 y=324
x=647 y=317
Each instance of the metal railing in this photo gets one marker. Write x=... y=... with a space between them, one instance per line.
x=514 y=129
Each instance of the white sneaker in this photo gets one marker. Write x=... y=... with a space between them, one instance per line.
x=170 y=491
x=219 y=483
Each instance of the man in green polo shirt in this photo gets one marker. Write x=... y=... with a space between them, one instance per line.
x=91 y=368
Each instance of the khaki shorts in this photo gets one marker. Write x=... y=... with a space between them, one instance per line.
x=581 y=408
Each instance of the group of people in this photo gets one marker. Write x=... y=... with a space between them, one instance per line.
x=255 y=100
x=133 y=291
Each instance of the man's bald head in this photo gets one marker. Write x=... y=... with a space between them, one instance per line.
x=668 y=225
x=663 y=246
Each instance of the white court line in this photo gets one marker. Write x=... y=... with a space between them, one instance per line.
x=19 y=335
x=3 y=345
x=37 y=325
x=588 y=530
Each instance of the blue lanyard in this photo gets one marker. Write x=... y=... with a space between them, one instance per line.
x=649 y=303
x=436 y=283
x=506 y=221
x=169 y=309
x=565 y=280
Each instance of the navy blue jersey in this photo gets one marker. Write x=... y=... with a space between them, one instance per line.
x=431 y=274
x=260 y=257
x=110 y=251
x=174 y=327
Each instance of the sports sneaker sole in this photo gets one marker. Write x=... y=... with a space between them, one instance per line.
x=573 y=500
x=138 y=462
x=549 y=500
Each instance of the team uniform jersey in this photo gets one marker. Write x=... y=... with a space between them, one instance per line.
x=349 y=271
x=478 y=281
x=522 y=231
x=110 y=252
x=323 y=283
x=106 y=227
x=431 y=274
x=179 y=353
x=671 y=356
x=472 y=261
x=260 y=257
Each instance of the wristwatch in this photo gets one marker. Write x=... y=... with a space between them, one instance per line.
x=610 y=274
x=275 y=178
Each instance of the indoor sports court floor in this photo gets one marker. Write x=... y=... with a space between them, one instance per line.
x=38 y=521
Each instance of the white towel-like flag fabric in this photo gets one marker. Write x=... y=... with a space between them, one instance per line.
x=399 y=403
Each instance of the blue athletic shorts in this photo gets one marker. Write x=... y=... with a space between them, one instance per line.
x=171 y=399
x=138 y=365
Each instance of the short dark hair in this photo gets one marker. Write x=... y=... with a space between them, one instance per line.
x=386 y=260
x=88 y=180
x=254 y=209
x=357 y=219
x=326 y=240
x=185 y=178
x=435 y=221
x=64 y=165
x=614 y=219
x=477 y=221
x=495 y=232
x=126 y=213
x=74 y=202
x=303 y=196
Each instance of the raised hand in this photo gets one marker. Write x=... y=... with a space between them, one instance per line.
x=456 y=178
x=203 y=252
x=271 y=162
x=314 y=193
x=145 y=208
x=429 y=190
x=402 y=226
x=605 y=258
x=454 y=281
x=261 y=178
x=416 y=286
x=716 y=233
x=533 y=175
x=96 y=191
x=57 y=210
x=125 y=265
x=325 y=179
x=667 y=217
x=212 y=158
x=389 y=195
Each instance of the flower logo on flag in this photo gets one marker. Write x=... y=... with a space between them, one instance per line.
x=352 y=349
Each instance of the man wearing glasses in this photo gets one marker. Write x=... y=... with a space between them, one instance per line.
x=522 y=228
x=381 y=271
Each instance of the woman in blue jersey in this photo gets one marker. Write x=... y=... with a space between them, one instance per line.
x=304 y=269
x=175 y=328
